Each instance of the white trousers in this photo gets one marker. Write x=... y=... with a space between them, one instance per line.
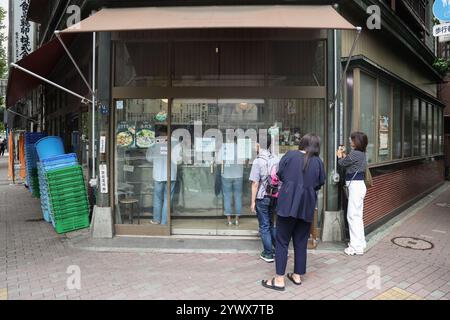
x=357 y=192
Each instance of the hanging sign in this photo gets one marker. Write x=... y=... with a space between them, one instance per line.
x=440 y=30
x=103 y=178
x=102 y=144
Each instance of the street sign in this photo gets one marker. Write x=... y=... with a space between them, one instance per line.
x=442 y=29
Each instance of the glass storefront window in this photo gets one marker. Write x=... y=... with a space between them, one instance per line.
x=140 y=64
x=367 y=121
x=300 y=63
x=416 y=127
x=385 y=121
x=397 y=124
x=218 y=139
x=423 y=128
x=141 y=148
x=408 y=136
x=436 y=115
x=430 y=129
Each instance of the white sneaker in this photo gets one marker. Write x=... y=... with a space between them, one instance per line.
x=352 y=252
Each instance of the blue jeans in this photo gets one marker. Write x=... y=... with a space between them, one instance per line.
x=264 y=211
x=160 y=200
x=230 y=187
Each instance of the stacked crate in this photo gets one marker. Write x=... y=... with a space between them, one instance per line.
x=64 y=196
x=68 y=199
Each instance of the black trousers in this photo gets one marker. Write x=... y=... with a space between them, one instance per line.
x=297 y=230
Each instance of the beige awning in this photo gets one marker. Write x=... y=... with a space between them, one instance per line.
x=161 y=18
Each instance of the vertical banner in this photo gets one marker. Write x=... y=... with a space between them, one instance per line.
x=103 y=178
x=23 y=33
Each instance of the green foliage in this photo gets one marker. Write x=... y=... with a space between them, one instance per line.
x=3 y=44
x=442 y=65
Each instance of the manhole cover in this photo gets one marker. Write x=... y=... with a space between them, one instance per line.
x=412 y=243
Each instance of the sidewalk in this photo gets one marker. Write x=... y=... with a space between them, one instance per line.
x=34 y=261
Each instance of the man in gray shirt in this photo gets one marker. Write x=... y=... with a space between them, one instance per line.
x=261 y=203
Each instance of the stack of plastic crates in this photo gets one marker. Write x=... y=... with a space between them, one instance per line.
x=67 y=202
x=31 y=158
x=46 y=165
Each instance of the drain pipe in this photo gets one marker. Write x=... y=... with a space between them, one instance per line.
x=94 y=109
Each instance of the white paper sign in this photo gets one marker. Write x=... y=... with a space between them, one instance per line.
x=128 y=168
x=205 y=144
x=102 y=144
x=103 y=178
x=245 y=150
x=228 y=152
x=119 y=105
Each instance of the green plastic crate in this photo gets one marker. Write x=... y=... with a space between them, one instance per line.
x=67 y=190
x=59 y=214
x=72 y=224
x=62 y=183
x=68 y=171
x=69 y=184
x=69 y=202
x=58 y=196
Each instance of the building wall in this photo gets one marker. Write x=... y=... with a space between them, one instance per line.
x=394 y=189
x=387 y=55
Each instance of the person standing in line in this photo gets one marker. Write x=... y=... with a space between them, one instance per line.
x=302 y=174
x=261 y=203
x=355 y=165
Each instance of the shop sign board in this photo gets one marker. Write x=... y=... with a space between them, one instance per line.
x=103 y=178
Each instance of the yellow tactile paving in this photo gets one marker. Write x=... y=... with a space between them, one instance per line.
x=397 y=294
x=3 y=294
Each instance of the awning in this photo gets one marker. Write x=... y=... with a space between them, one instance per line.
x=42 y=62
x=162 y=18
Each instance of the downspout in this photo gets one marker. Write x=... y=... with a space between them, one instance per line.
x=94 y=109
x=338 y=86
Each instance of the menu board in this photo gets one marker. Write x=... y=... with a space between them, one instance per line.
x=145 y=134
x=125 y=136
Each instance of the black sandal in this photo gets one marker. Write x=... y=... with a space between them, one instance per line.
x=290 y=276
x=271 y=286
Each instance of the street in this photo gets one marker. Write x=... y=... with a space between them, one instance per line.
x=36 y=263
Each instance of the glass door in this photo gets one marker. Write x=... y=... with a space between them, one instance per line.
x=141 y=171
x=197 y=200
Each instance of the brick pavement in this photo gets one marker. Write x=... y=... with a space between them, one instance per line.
x=34 y=261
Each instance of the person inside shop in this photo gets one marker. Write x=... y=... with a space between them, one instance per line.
x=232 y=176
x=355 y=164
x=262 y=203
x=157 y=154
x=302 y=175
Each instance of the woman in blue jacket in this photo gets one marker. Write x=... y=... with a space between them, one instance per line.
x=302 y=174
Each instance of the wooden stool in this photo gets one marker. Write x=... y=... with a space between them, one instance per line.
x=129 y=204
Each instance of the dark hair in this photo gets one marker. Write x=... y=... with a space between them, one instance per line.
x=359 y=140
x=268 y=140
x=310 y=143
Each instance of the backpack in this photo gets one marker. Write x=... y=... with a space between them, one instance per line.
x=271 y=181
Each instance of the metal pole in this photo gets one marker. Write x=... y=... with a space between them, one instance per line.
x=338 y=88
x=83 y=99
x=58 y=35
x=94 y=109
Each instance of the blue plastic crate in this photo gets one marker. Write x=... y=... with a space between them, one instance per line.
x=60 y=162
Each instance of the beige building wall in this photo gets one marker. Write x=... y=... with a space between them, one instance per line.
x=388 y=56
